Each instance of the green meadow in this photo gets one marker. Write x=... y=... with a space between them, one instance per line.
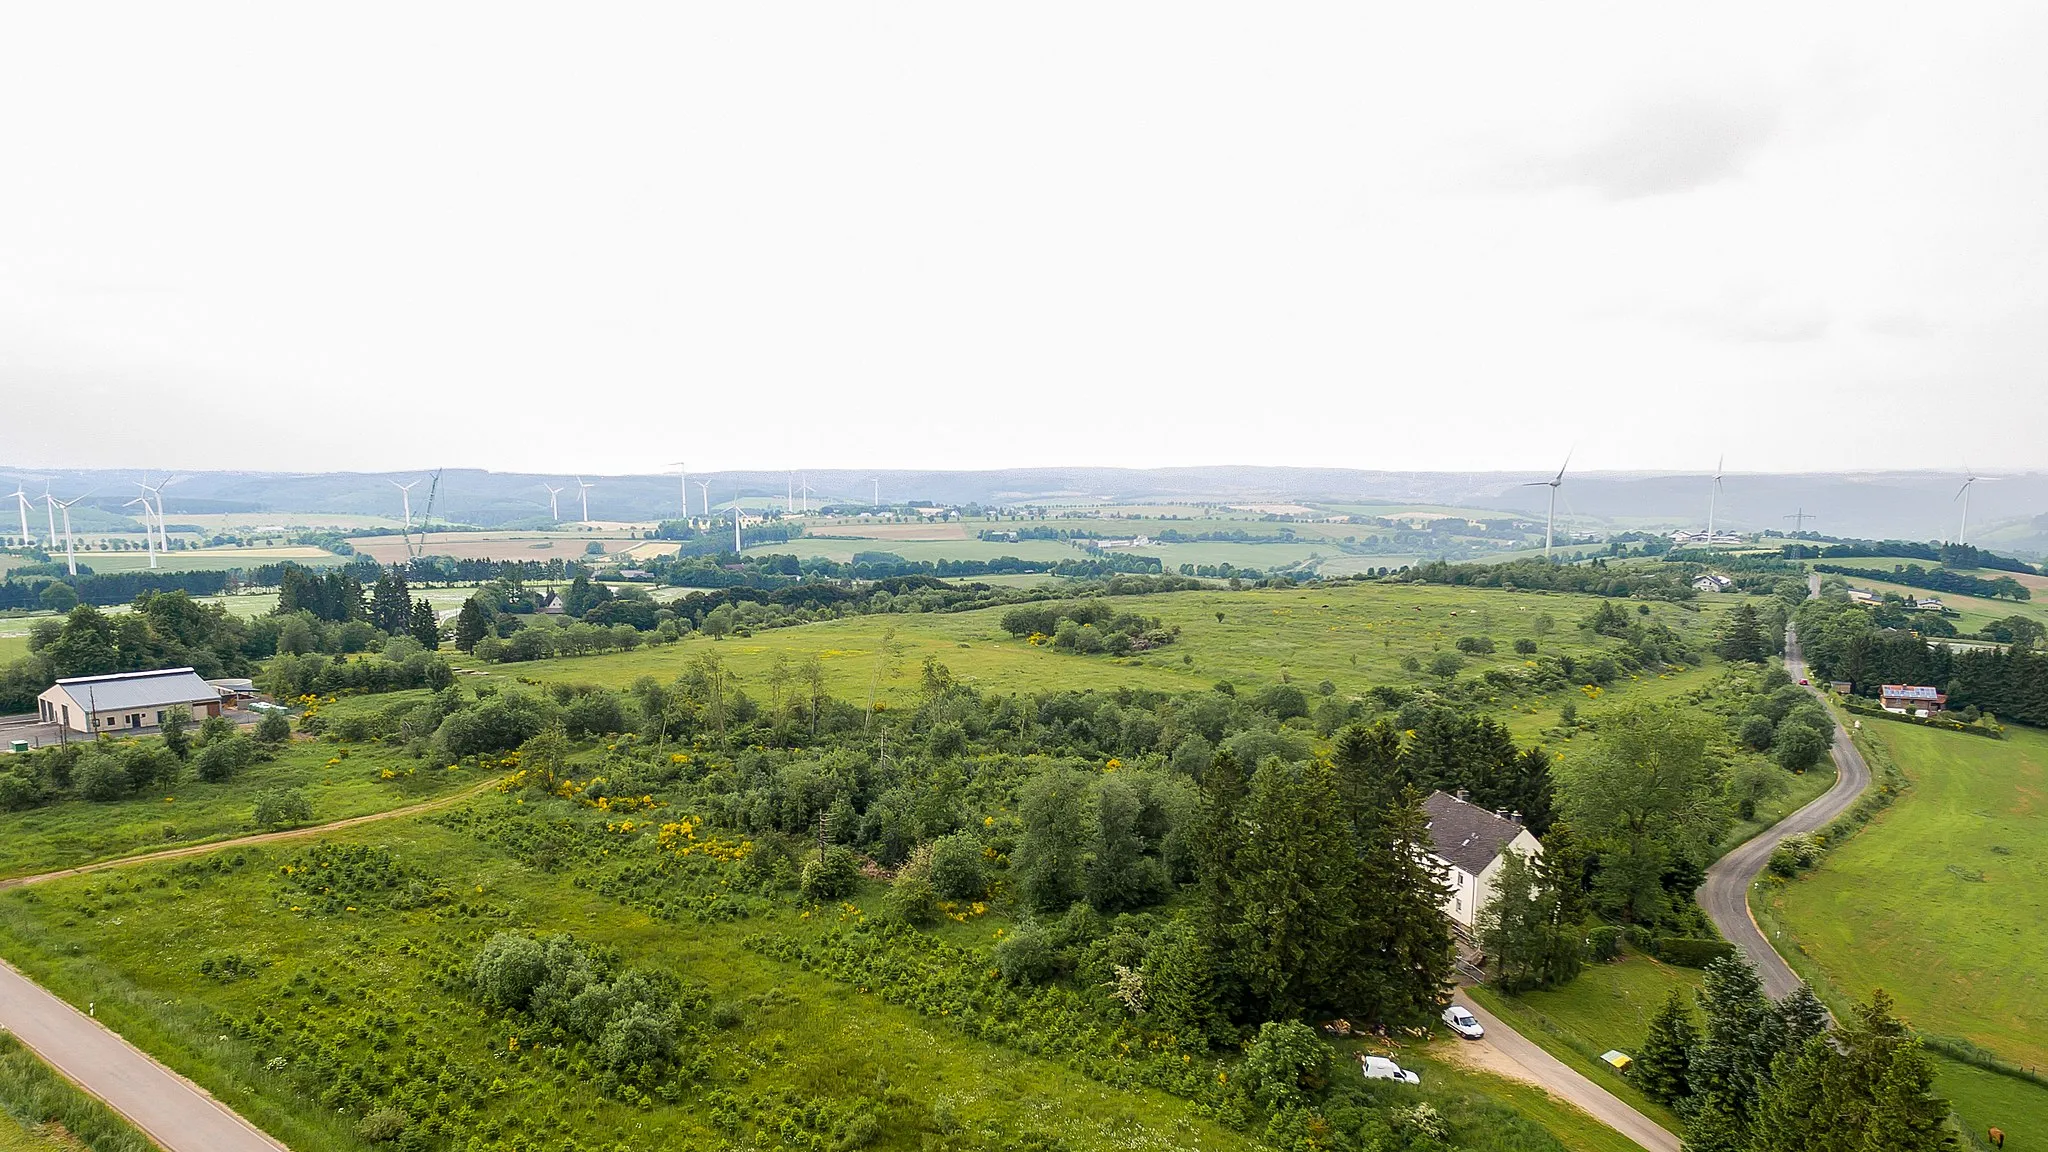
x=339 y=780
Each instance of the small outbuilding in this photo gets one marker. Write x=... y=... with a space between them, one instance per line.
x=126 y=700
x=1468 y=842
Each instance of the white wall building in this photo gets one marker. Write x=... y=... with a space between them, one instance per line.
x=1469 y=844
x=126 y=700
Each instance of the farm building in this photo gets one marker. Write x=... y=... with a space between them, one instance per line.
x=129 y=700
x=1712 y=582
x=1469 y=843
x=1912 y=698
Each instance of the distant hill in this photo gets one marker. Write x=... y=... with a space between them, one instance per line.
x=1906 y=505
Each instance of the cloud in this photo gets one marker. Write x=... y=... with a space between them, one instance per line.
x=1751 y=315
x=1675 y=145
x=1903 y=323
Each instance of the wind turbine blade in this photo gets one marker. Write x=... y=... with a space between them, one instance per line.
x=1567 y=461
x=1960 y=491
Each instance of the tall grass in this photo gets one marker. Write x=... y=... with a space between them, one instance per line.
x=33 y=1094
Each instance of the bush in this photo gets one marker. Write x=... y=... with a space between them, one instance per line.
x=1797 y=854
x=274 y=728
x=1285 y=1063
x=958 y=869
x=277 y=806
x=508 y=968
x=383 y=1124
x=1525 y=646
x=1690 y=952
x=1798 y=745
x=100 y=775
x=1475 y=645
x=1026 y=955
x=830 y=876
x=1603 y=942
x=219 y=759
x=912 y=900
x=1446 y=664
x=1757 y=732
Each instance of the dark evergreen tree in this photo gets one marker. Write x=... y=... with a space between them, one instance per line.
x=1744 y=638
x=425 y=627
x=1660 y=1067
x=391 y=602
x=470 y=625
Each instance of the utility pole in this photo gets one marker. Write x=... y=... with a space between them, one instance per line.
x=1799 y=519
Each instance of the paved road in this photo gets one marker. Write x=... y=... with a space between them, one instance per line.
x=1566 y=1083
x=168 y=1108
x=176 y=1113
x=1725 y=895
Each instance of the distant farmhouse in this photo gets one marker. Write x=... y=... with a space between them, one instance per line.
x=1706 y=539
x=126 y=700
x=1914 y=699
x=1469 y=843
x=1712 y=582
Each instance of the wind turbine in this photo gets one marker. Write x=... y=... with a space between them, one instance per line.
x=1713 y=499
x=583 y=494
x=736 y=546
x=70 y=547
x=1963 y=494
x=554 y=509
x=804 y=489
x=878 y=491
x=163 y=534
x=1550 y=519
x=21 y=498
x=789 y=494
x=685 y=468
x=703 y=486
x=148 y=531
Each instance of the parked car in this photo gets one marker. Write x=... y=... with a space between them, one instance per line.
x=1803 y=682
x=1458 y=1019
x=1381 y=1068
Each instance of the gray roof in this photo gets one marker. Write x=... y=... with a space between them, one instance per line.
x=1466 y=834
x=127 y=691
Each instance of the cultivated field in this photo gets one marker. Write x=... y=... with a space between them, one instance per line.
x=497 y=545
x=1974 y=611
x=210 y=559
x=1943 y=899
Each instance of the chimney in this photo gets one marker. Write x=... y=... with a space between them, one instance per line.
x=1515 y=816
x=1462 y=794
x=1502 y=813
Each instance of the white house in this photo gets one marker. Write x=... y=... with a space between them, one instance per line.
x=1712 y=582
x=126 y=700
x=1468 y=844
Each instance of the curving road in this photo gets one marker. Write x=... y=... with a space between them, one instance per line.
x=1725 y=895
x=171 y=1110
x=1566 y=1083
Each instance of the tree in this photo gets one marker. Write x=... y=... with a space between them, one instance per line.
x=274 y=728
x=1115 y=872
x=1796 y=745
x=1660 y=1067
x=1648 y=798
x=58 y=596
x=280 y=806
x=1291 y=940
x=1285 y=1063
x=470 y=625
x=1050 y=859
x=1744 y=639
x=958 y=868
x=391 y=602
x=1180 y=992
x=85 y=647
x=426 y=627
x=718 y=622
x=176 y=719
x=1867 y=1087
x=1520 y=930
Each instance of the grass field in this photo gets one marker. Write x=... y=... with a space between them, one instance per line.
x=114 y=940
x=566 y=545
x=1973 y=611
x=210 y=559
x=1355 y=636
x=1943 y=899
x=192 y=811
x=40 y=1111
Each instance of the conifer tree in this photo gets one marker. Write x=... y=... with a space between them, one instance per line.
x=469 y=625
x=426 y=627
x=1744 y=640
x=1660 y=1068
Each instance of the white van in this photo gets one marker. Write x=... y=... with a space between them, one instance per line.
x=1381 y=1068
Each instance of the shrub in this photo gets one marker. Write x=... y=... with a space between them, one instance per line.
x=912 y=900
x=1689 y=952
x=1603 y=942
x=215 y=728
x=277 y=806
x=274 y=728
x=958 y=870
x=1285 y=1063
x=1475 y=645
x=829 y=876
x=1446 y=664
x=1798 y=745
x=383 y=1124
x=1026 y=955
x=508 y=968
x=1525 y=646
x=100 y=775
x=1757 y=732
x=1797 y=854
x=219 y=759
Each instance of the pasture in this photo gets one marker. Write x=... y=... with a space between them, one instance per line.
x=1354 y=636
x=796 y=1043
x=339 y=780
x=209 y=559
x=1973 y=611
x=1943 y=899
x=564 y=545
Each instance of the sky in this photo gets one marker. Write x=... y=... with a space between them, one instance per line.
x=515 y=236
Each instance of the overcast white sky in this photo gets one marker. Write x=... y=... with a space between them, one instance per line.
x=965 y=235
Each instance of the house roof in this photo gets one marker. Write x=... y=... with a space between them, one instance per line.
x=1912 y=692
x=1466 y=834
x=123 y=691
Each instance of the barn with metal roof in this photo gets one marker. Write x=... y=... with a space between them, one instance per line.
x=126 y=700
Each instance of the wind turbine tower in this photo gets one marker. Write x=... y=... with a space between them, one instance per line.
x=789 y=494
x=1550 y=518
x=1963 y=494
x=736 y=546
x=554 y=508
x=70 y=545
x=148 y=530
x=21 y=499
x=804 y=490
x=50 y=513
x=583 y=494
x=878 y=491
x=1714 y=499
x=163 y=532
x=685 y=469
x=703 y=487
